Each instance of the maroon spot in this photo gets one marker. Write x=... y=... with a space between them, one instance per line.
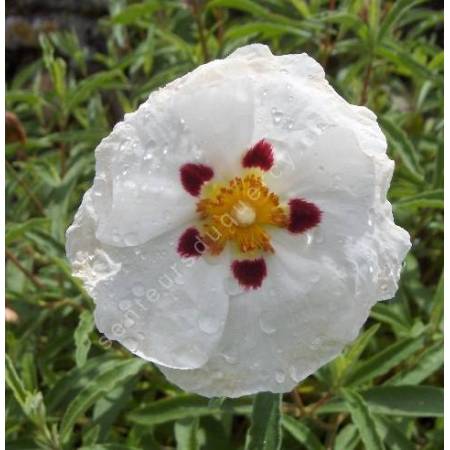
x=260 y=155
x=190 y=243
x=193 y=176
x=249 y=273
x=303 y=215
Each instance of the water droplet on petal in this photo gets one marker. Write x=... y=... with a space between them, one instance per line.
x=209 y=325
x=266 y=323
x=124 y=305
x=276 y=116
x=232 y=287
x=230 y=359
x=131 y=344
x=280 y=376
x=138 y=290
x=293 y=373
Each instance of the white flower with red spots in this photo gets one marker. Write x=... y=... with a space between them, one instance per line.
x=237 y=232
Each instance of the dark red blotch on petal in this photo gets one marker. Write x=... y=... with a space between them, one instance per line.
x=190 y=243
x=250 y=273
x=303 y=215
x=193 y=176
x=260 y=155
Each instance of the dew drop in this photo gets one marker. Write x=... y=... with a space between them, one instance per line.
x=232 y=287
x=230 y=359
x=208 y=325
x=293 y=373
x=280 y=376
x=289 y=124
x=140 y=335
x=124 y=305
x=266 y=325
x=138 y=290
x=131 y=239
x=315 y=344
x=131 y=344
x=276 y=116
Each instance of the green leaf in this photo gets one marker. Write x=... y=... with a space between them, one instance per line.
x=392 y=435
x=301 y=433
x=383 y=361
x=135 y=12
x=427 y=199
x=183 y=406
x=404 y=401
x=348 y=438
x=15 y=231
x=81 y=336
x=254 y=9
x=363 y=420
x=15 y=383
x=403 y=147
x=415 y=401
x=398 y=9
x=186 y=434
x=97 y=387
x=437 y=312
x=265 y=429
x=431 y=360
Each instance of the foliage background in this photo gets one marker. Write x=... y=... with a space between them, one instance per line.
x=66 y=388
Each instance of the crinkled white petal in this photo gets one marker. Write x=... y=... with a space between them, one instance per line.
x=303 y=315
x=320 y=285
x=148 y=298
x=205 y=117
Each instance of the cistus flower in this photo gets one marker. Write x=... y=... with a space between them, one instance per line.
x=237 y=232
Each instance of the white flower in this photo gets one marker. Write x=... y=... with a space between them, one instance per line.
x=237 y=232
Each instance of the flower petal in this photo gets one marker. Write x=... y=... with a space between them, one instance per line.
x=147 y=297
x=302 y=316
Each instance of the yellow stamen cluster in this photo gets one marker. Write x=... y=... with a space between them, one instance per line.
x=240 y=211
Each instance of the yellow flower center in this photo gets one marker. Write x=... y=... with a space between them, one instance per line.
x=241 y=211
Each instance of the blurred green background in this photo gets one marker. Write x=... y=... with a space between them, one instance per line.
x=73 y=69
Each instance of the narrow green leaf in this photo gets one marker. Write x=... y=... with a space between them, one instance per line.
x=404 y=401
x=81 y=337
x=183 y=406
x=265 y=429
x=415 y=401
x=398 y=9
x=186 y=434
x=428 y=362
x=383 y=361
x=363 y=420
x=403 y=147
x=15 y=383
x=437 y=311
x=15 y=231
x=97 y=387
x=134 y=12
x=392 y=435
x=301 y=433
x=427 y=199
x=348 y=438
